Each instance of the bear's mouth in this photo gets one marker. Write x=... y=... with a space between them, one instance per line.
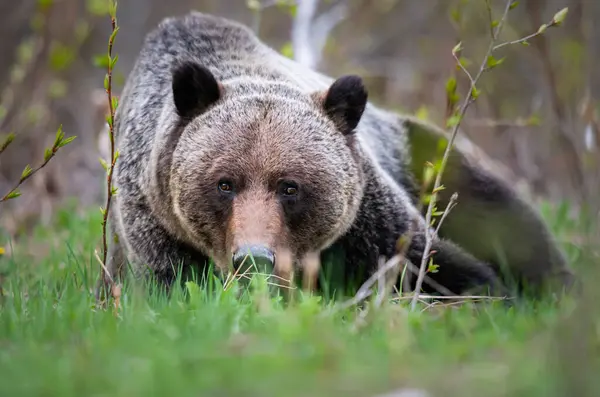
x=255 y=257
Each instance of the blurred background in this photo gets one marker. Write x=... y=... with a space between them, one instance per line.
x=537 y=114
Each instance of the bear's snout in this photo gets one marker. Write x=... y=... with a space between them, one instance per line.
x=255 y=231
x=254 y=254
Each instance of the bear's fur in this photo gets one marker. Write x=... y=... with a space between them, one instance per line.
x=224 y=142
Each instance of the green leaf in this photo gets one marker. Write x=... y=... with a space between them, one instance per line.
x=101 y=61
x=534 y=120
x=560 y=16
x=513 y=5
x=495 y=23
x=61 y=56
x=422 y=113
x=115 y=103
x=26 y=172
x=45 y=4
x=542 y=29
x=428 y=174
x=453 y=121
x=112 y=8
x=431 y=268
x=451 y=95
x=59 y=135
x=113 y=62
x=106 y=83
x=438 y=164
x=104 y=164
x=114 y=34
x=455 y=15
x=451 y=85
x=13 y=194
x=457 y=48
x=441 y=146
x=438 y=189
x=492 y=62
x=287 y=50
x=293 y=10
x=425 y=199
x=7 y=141
x=465 y=62
x=65 y=142
x=48 y=153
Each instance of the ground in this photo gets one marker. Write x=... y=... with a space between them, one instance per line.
x=206 y=342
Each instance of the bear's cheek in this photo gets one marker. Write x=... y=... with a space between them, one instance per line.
x=312 y=221
x=204 y=216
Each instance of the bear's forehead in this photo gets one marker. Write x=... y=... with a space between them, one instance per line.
x=272 y=124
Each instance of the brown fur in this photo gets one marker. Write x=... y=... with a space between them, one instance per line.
x=207 y=101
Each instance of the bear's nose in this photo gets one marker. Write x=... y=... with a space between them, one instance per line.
x=248 y=255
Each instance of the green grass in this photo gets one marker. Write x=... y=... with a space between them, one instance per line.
x=209 y=342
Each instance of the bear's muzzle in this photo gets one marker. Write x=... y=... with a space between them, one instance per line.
x=251 y=255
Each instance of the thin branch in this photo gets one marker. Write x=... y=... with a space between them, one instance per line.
x=28 y=172
x=111 y=120
x=449 y=207
x=527 y=38
x=462 y=67
x=468 y=100
x=14 y=192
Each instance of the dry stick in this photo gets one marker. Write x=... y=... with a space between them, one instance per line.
x=468 y=100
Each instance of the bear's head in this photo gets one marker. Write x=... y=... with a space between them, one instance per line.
x=263 y=168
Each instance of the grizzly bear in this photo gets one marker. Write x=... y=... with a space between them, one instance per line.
x=229 y=148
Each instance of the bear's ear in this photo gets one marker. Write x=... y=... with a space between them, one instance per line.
x=344 y=102
x=194 y=89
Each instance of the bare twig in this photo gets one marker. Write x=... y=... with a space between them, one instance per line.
x=462 y=67
x=451 y=204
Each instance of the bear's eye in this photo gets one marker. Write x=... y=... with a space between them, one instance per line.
x=288 y=189
x=225 y=186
